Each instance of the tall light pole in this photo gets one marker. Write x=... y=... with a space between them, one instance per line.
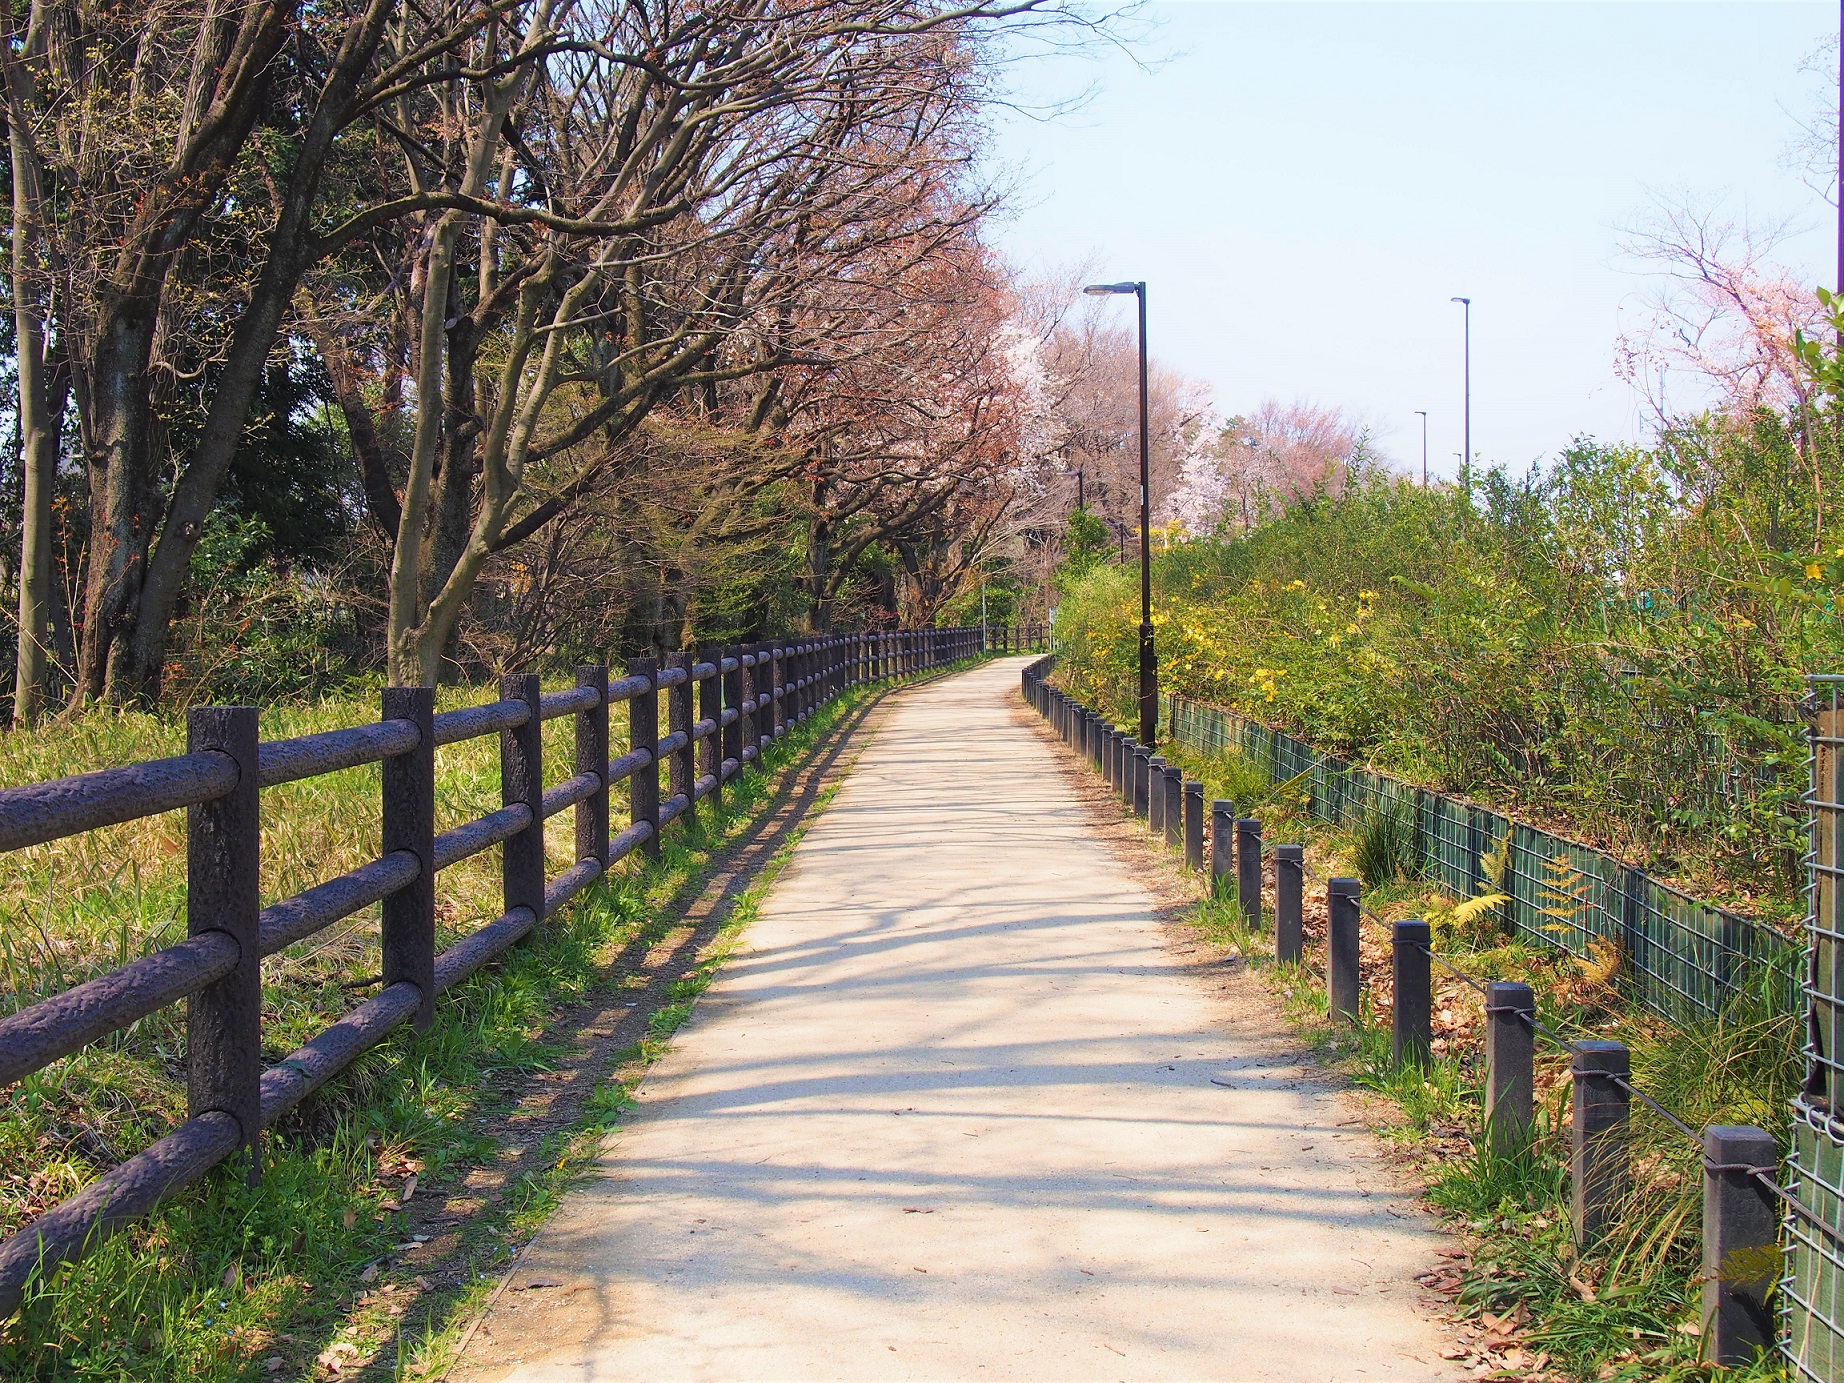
x=1466 y=427
x=1149 y=664
x=1422 y=413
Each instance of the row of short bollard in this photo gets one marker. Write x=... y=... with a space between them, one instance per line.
x=1740 y=1217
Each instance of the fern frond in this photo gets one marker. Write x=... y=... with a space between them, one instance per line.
x=1475 y=908
x=1494 y=863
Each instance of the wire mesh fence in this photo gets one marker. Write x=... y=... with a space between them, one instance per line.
x=1812 y=1288
x=1680 y=956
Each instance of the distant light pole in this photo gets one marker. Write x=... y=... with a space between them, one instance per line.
x=1422 y=413
x=1149 y=664
x=1466 y=432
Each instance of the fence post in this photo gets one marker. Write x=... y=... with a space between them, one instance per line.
x=643 y=733
x=1248 y=870
x=734 y=689
x=1289 y=903
x=591 y=757
x=1222 y=844
x=1510 y=1060
x=1174 y=807
x=1142 y=771
x=521 y=781
x=683 y=770
x=778 y=690
x=223 y=894
x=408 y=932
x=1155 y=794
x=1341 y=948
x=1412 y=994
x=1741 y=1226
x=1599 y=1150
x=711 y=708
x=1194 y=826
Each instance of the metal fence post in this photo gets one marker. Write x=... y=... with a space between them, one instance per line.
x=1341 y=950
x=1289 y=903
x=1174 y=807
x=1155 y=794
x=643 y=733
x=1222 y=845
x=408 y=934
x=1510 y=1062
x=521 y=781
x=1599 y=1150
x=1741 y=1226
x=1194 y=826
x=1411 y=1009
x=1248 y=870
x=683 y=766
x=223 y=894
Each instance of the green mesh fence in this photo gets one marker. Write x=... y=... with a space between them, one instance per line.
x=1680 y=956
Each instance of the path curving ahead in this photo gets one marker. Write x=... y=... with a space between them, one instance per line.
x=955 y=1111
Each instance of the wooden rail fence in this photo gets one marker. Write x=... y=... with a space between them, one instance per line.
x=723 y=708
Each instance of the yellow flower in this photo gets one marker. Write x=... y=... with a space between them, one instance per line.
x=1351 y=629
x=1813 y=571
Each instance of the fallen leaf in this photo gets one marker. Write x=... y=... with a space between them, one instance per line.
x=409 y=1187
x=350 y=1218
x=544 y=1282
x=1582 y=1289
x=233 y=1277
x=1345 y=1291
x=915 y=1210
x=273 y=1364
x=370 y=1273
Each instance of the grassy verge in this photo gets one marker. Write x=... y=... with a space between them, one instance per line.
x=1530 y=1305
x=318 y=1271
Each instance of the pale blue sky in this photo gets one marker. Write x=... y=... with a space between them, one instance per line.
x=1305 y=185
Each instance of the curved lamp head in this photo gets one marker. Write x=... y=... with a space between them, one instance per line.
x=1097 y=289
x=1467 y=301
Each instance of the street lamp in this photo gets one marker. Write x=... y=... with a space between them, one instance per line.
x=1149 y=665
x=1422 y=413
x=1466 y=430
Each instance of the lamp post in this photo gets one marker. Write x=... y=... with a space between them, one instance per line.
x=1149 y=665
x=1422 y=413
x=1466 y=427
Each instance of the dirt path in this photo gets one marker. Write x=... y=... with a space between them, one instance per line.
x=957 y=1110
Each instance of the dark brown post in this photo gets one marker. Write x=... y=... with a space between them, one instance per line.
x=732 y=737
x=778 y=672
x=1248 y=870
x=592 y=757
x=682 y=768
x=1194 y=826
x=1155 y=795
x=1741 y=1228
x=521 y=779
x=711 y=708
x=1599 y=1148
x=643 y=733
x=1341 y=975
x=223 y=894
x=1222 y=845
x=1411 y=1013
x=1289 y=903
x=1510 y=1061
x=1174 y=807
x=409 y=824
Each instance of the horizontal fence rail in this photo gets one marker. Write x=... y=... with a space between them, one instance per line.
x=1681 y=957
x=694 y=724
